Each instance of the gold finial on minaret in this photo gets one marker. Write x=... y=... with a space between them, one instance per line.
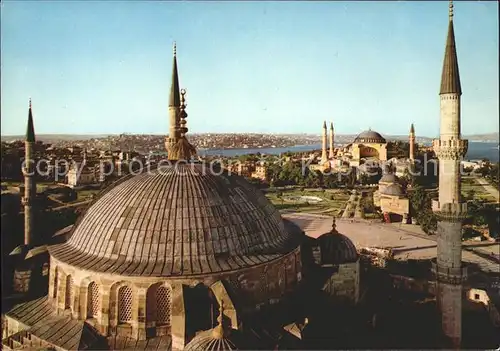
x=451 y=10
x=175 y=49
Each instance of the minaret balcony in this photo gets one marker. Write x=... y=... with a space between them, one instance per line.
x=453 y=211
x=25 y=201
x=449 y=275
x=452 y=149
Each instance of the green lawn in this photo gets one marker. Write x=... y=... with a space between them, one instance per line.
x=326 y=206
x=468 y=184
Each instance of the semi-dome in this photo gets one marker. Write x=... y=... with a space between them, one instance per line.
x=336 y=248
x=369 y=136
x=177 y=220
x=392 y=189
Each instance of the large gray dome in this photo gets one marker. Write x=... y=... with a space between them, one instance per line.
x=178 y=220
x=369 y=136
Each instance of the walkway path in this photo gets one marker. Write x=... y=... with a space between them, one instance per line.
x=488 y=187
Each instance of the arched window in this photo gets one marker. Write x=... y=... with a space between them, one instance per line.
x=163 y=298
x=69 y=292
x=151 y=310
x=56 y=283
x=124 y=304
x=92 y=300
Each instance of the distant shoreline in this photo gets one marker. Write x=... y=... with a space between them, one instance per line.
x=479 y=138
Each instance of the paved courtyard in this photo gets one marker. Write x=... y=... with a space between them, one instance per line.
x=406 y=243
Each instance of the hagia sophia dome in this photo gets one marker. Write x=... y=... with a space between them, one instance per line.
x=369 y=136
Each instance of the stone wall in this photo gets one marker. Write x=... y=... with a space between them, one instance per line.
x=345 y=282
x=256 y=285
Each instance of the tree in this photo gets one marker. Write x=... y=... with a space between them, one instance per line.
x=330 y=181
x=420 y=208
x=470 y=194
x=478 y=212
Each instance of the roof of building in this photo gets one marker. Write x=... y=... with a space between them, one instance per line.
x=389 y=178
x=450 y=77
x=181 y=219
x=392 y=189
x=336 y=248
x=71 y=334
x=221 y=338
x=369 y=136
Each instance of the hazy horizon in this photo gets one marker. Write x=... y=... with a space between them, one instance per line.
x=104 y=68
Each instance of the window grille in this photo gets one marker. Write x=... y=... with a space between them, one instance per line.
x=163 y=298
x=92 y=300
x=69 y=292
x=124 y=304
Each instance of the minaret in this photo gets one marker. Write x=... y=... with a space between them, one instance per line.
x=173 y=107
x=29 y=182
x=331 y=155
x=412 y=143
x=450 y=149
x=324 y=159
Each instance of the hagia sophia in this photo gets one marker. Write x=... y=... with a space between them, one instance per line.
x=181 y=258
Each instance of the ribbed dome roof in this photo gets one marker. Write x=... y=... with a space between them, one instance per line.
x=178 y=220
x=205 y=341
x=369 y=136
x=389 y=178
x=336 y=248
x=392 y=189
x=220 y=338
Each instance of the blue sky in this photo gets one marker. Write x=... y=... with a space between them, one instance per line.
x=104 y=67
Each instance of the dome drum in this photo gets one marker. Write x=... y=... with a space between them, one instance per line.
x=96 y=297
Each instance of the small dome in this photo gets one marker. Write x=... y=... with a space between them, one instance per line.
x=369 y=136
x=392 y=189
x=336 y=248
x=220 y=338
x=389 y=178
x=205 y=341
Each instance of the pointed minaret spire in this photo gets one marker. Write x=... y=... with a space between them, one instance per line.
x=173 y=107
x=450 y=77
x=324 y=159
x=331 y=154
x=175 y=97
x=29 y=181
x=30 y=130
x=412 y=143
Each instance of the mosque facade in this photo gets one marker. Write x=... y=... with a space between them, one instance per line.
x=155 y=256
